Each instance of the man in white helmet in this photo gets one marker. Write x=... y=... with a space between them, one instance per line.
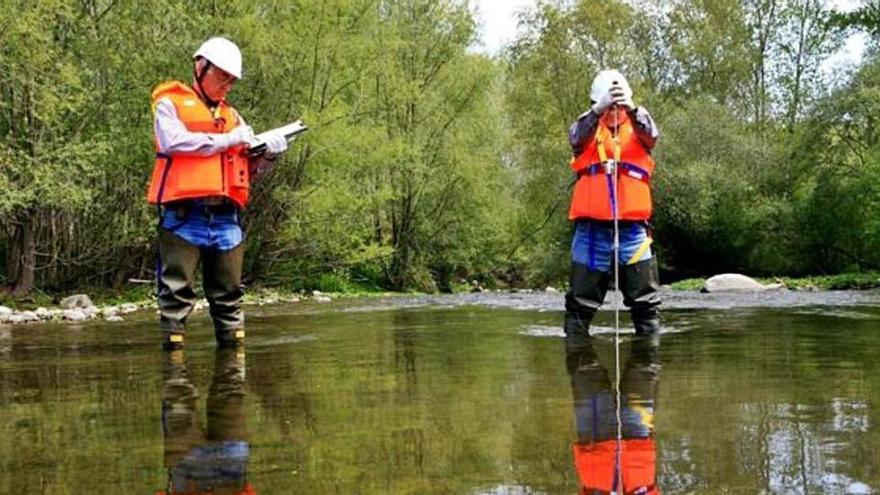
x=200 y=184
x=611 y=147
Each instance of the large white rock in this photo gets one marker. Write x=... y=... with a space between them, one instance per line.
x=4 y=311
x=76 y=301
x=734 y=282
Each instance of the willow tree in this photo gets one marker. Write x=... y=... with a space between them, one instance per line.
x=43 y=154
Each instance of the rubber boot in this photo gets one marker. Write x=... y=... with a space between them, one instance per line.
x=640 y=285
x=642 y=371
x=180 y=422
x=639 y=384
x=173 y=341
x=585 y=295
x=221 y=271
x=178 y=261
x=226 y=414
x=231 y=338
x=591 y=393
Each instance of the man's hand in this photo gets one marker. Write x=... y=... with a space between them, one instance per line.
x=621 y=99
x=276 y=143
x=615 y=96
x=242 y=134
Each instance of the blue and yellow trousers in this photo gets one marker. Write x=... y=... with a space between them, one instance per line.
x=592 y=251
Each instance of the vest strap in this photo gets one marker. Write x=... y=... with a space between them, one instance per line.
x=593 y=169
x=635 y=171
x=167 y=169
x=629 y=169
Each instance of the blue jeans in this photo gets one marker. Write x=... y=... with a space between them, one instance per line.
x=219 y=231
x=593 y=244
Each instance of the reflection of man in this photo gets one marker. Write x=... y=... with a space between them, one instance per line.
x=596 y=450
x=213 y=460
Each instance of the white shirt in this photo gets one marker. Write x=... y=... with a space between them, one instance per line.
x=173 y=136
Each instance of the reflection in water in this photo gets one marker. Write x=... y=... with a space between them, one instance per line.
x=213 y=459
x=596 y=449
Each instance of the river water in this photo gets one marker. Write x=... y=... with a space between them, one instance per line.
x=466 y=394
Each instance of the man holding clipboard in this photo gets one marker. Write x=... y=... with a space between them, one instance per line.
x=205 y=156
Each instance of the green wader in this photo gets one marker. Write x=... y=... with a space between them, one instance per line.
x=221 y=277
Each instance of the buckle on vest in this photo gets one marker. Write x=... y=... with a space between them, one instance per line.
x=609 y=166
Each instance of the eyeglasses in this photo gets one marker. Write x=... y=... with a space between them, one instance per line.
x=222 y=76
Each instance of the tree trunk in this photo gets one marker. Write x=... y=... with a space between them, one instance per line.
x=21 y=259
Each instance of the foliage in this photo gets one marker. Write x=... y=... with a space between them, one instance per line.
x=742 y=182
x=399 y=176
x=428 y=163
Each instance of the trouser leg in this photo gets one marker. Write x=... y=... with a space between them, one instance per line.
x=585 y=295
x=640 y=284
x=178 y=260
x=221 y=271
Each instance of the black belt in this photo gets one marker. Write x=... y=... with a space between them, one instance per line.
x=183 y=207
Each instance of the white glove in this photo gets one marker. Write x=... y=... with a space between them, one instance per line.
x=621 y=100
x=276 y=143
x=242 y=134
x=614 y=96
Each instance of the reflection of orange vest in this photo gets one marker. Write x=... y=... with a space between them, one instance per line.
x=595 y=464
x=248 y=490
x=592 y=192
x=183 y=175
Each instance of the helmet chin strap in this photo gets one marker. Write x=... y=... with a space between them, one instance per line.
x=198 y=76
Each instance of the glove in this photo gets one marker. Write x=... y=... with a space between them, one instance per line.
x=242 y=134
x=276 y=143
x=614 y=96
x=620 y=99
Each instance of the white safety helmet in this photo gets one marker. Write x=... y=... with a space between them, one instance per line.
x=603 y=82
x=222 y=53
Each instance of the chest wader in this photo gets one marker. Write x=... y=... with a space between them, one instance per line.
x=639 y=284
x=638 y=280
x=221 y=277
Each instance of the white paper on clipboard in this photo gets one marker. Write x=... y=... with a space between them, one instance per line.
x=290 y=131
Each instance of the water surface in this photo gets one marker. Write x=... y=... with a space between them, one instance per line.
x=456 y=394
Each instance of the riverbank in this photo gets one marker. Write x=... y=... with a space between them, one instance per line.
x=94 y=303
x=843 y=281
x=112 y=306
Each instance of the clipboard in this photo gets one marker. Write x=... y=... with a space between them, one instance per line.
x=290 y=131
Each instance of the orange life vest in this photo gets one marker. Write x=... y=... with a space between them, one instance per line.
x=595 y=464
x=592 y=195
x=183 y=175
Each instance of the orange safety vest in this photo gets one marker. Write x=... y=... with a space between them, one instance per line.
x=595 y=464
x=593 y=191
x=184 y=175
